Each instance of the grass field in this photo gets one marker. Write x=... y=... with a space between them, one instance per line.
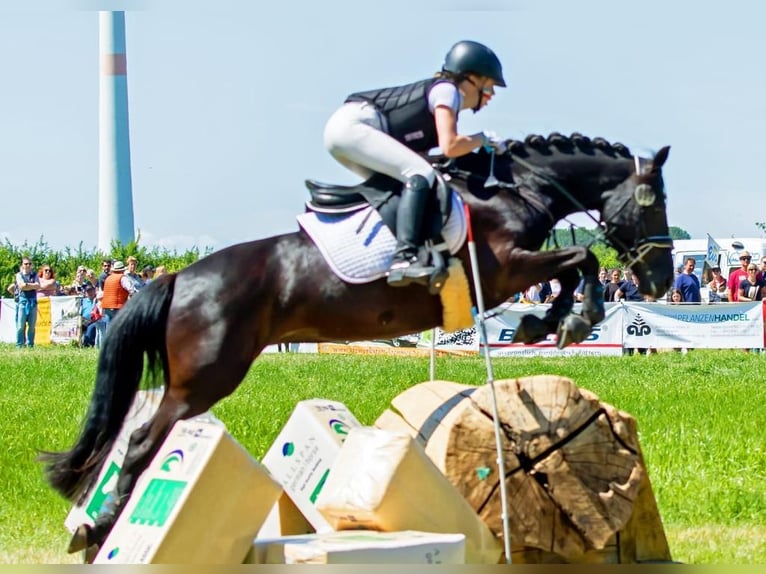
x=700 y=418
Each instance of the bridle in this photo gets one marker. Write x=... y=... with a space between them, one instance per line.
x=644 y=195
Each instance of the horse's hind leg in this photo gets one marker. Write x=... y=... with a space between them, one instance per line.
x=143 y=445
x=201 y=374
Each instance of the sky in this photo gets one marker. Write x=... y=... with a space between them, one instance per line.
x=228 y=100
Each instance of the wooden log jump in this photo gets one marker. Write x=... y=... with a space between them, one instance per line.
x=577 y=486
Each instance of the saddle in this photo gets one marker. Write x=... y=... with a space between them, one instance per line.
x=382 y=193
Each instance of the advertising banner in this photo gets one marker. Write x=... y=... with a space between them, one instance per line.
x=721 y=326
x=65 y=319
x=605 y=339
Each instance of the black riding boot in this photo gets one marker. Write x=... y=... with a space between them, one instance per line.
x=405 y=267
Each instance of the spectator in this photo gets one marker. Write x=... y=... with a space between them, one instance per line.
x=106 y=268
x=611 y=288
x=117 y=289
x=717 y=286
x=750 y=287
x=736 y=277
x=676 y=298
x=763 y=267
x=90 y=275
x=147 y=274
x=539 y=293
x=555 y=286
x=603 y=276
x=131 y=273
x=688 y=283
x=160 y=271
x=579 y=294
x=629 y=290
x=91 y=315
x=49 y=285
x=27 y=285
x=80 y=281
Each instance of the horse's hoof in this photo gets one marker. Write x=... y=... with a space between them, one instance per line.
x=572 y=329
x=79 y=539
x=90 y=554
x=531 y=329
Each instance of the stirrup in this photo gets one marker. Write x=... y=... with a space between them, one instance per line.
x=403 y=273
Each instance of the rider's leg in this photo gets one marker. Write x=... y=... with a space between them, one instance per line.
x=354 y=137
x=405 y=267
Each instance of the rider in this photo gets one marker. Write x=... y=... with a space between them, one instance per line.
x=389 y=130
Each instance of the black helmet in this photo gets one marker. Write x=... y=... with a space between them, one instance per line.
x=467 y=57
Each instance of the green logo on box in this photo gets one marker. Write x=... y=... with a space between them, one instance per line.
x=103 y=491
x=157 y=502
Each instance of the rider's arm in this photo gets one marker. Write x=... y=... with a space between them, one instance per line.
x=452 y=143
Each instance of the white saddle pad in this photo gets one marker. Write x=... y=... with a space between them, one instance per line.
x=359 y=248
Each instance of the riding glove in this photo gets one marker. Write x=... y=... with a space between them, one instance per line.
x=492 y=142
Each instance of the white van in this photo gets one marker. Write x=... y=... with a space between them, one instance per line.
x=728 y=256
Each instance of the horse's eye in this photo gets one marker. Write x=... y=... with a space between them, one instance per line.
x=644 y=195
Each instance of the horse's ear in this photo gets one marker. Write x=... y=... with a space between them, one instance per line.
x=660 y=157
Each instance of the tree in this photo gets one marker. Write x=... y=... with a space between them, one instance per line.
x=678 y=233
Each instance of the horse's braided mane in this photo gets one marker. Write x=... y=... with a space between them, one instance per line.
x=559 y=142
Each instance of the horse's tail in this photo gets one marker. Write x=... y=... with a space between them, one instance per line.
x=136 y=330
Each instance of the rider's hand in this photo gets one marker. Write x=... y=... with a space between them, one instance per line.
x=492 y=142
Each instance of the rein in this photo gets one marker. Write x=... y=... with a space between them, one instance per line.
x=630 y=255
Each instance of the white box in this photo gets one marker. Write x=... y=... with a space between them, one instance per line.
x=141 y=410
x=383 y=480
x=302 y=454
x=362 y=547
x=284 y=520
x=201 y=501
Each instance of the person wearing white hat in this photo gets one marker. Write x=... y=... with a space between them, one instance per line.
x=117 y=290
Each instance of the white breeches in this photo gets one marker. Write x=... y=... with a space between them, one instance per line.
x=355 y=136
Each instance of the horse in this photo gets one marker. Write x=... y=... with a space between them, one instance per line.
x=201 y=328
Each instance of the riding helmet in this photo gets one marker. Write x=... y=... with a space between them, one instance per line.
x=467 y=57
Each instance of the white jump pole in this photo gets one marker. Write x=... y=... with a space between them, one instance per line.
x=491 y=382
x=432 y=362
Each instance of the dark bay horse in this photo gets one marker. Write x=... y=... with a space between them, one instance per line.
x=201 y=329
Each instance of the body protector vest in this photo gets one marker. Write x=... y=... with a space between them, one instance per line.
x=115 y=296
x=406 y=110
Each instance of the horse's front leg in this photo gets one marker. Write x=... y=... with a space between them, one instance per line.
x=575 y=328
x=559 y=264
x=564 y=264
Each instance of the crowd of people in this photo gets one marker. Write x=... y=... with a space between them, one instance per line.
x=748 y=283
x=102 y=296
x=619 y=285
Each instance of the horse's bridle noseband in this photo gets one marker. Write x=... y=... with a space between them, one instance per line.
x=640 y=249
x=628 y=256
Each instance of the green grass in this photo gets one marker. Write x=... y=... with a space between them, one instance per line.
x=700 y=418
